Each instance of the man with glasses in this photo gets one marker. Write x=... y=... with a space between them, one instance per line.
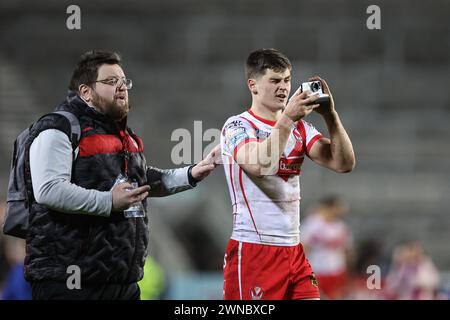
x=83 y=241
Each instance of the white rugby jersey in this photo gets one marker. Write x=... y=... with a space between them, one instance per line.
x=327 y=242
x=266 y=210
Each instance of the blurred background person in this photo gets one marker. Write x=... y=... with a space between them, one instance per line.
x=412 y=275
x=153 y=284
x=3 y=264
x=329 y=245
x=15 y=286
x=368 y=260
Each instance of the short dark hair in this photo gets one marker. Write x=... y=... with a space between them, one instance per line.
x=260 y=60
x=86 y=70
x=331 y=200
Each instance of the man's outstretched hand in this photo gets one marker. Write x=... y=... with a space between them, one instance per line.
x=202 y=169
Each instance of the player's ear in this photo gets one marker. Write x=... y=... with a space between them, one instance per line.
x=251 y=83
x=85 y=92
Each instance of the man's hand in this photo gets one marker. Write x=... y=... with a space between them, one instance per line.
x=202 y=169
x=124 y=197
x=327 y=108
x=300 y=105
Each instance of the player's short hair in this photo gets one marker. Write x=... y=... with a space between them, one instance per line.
x=331 y=200
x=260 y=60
x=86 y=70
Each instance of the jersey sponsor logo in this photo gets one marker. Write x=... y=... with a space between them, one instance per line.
x=256 y=293
x=313 y=280
x=261 y=134
x=286 y=166
x=234 y=124
x=224 y=262
x=235 y=131
x=290 y=166
x=235 y=139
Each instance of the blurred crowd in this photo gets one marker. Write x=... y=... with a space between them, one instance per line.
x=12 y=254
x=344 y=269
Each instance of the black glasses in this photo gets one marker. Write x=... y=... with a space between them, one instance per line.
x=117 y=82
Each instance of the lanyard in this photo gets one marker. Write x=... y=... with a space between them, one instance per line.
x=124 y=136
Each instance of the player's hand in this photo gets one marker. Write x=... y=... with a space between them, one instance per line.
x=300 y=105
x=124 y=195
x=326 y=108
x=202 y=169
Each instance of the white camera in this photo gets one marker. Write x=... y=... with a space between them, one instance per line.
x=314 y=87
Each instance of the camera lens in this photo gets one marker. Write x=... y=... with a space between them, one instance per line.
x=315 y=86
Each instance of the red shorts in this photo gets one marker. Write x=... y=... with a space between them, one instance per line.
x=264 y=272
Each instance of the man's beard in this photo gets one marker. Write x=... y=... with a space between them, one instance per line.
x=112 y=109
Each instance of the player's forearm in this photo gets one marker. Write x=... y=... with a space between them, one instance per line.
x=276 y=143
x=262 y=158
x=342 y=154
